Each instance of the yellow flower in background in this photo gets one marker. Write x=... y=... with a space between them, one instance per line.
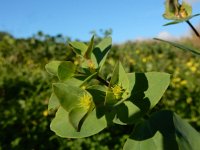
x=137 y=51
x=45 y=113
x=183 y=82
x=144 y=60
x=132 y=61
x=193 y=68
x=176 y=80
x=190 y=63
x=189 y=100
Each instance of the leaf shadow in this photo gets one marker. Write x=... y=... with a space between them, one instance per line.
x=159 y=122
x=99 y=54
x=138 y=93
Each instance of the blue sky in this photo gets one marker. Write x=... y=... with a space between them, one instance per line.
x=129 y=19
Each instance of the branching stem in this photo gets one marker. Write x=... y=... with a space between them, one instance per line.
x=193 y=28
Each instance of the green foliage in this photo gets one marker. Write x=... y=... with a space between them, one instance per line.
x=25 y=90
x=163 y=130
x=127 y=98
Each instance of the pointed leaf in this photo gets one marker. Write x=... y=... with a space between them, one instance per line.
x=63 y=128
x=66 y=70
x=147 y=88
x=53 y=102
x=101 y=51
x=180 y=46
x=89 y=49
x=79 y=47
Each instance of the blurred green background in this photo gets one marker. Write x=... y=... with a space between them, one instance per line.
x=25 y=88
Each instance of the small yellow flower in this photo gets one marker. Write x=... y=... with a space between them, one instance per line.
x=76 y=62
x=189 y=100
x=183 y=82
x=117 y=91
x=137 y=51
x=132 y=61
x=176 y=80
x=189 y=64
x=45 y=113
x=144 y=59
x=85 y=101
x=193 y=69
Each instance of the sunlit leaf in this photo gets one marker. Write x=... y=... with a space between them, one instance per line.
x=101 y=51
x=63 y=128
x=147 y=88
x=89 y=49
x=66 y=70
x=76 y=115
x=68 y=95
x=53 y=102
x=79 y=47
x=52 y=67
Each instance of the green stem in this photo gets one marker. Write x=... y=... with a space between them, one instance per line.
x=193 y=28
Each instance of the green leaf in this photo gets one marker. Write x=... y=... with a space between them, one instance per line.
x=52 y=67
x=164 y=130
x=180 y=46
x=119 y=76
x=63 y=128
x=147 y=88
x=66 y=70
x=119 y=81
x=187 y=136
x=79 y=47
x=68 y=95
x=101 y=51
x=53 y=102
x=89 y=49
x=76 y=115
x=127 y=113
x=154 y=143
x=181 y=20
x=63 y=69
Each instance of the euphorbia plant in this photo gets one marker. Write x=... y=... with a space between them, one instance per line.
x=86 y=103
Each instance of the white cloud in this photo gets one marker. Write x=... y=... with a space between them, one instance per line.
x=166 y=36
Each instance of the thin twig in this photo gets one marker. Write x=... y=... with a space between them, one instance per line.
x=193 y=28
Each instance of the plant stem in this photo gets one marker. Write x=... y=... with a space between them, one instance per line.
x=193 y=28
